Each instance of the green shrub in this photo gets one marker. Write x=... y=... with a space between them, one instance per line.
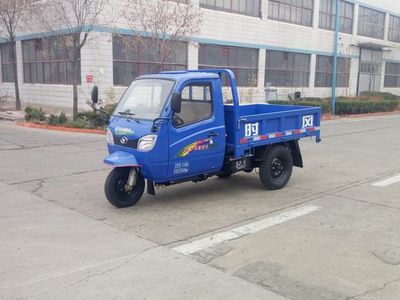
x=80 y=123
x=363 y=107
x=89 y=119
x=34 y=114
x=52 y=120
x=62 y=118
x=346 y=106
x=382 y=95
x=324 y=105
x=342 y=98
x=110 y=108
x=57 y=120
x=311 y=99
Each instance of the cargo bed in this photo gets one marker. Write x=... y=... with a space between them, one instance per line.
x=261 y=124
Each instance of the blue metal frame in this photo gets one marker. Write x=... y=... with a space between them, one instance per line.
x=335 y=56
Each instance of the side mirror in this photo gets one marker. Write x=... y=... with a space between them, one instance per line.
x=95 y=94
x=176 y=102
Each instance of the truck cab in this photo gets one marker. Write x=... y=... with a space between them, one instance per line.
x=174 y=127
x=197 y=131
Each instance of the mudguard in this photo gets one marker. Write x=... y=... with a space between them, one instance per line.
x=121 y=159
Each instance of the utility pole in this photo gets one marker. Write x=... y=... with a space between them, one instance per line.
x=335 y=57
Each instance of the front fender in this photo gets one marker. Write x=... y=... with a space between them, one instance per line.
x=121 y=159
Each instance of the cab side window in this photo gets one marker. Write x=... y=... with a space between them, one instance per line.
x=196 y=104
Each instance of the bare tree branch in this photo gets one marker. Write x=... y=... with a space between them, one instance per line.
x=77 y=18
x=158 y=23
x=12 y=12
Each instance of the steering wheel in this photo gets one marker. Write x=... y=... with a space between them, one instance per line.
x=178 y=120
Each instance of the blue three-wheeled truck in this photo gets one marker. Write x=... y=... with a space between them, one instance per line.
x=174 y=127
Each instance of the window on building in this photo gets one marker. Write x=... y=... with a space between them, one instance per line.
x=132 y=58
x=248 y=7
x=392 y=75
x=287 y=69
x=394 y=29
x=291 y=11
x=242 y=61
x=369 y=67
x=371 y=23
x=327 y=15
x=196 y=104
x=7 y=69
x=49 y=60
x=324 y=71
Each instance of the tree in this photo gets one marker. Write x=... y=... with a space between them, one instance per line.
x=158 y=24
x=75 y=19
x=12 y=13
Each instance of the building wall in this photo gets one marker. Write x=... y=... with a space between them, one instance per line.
x=225 y=29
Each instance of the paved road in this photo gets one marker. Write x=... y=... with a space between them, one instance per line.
x=332 y=233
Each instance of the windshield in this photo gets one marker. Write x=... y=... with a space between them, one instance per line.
x=145 y=98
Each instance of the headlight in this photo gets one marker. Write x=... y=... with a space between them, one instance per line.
x=147 y=143
x=110 y=137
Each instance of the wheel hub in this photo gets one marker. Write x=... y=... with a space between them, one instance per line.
x=123 y=187
x=277 y=168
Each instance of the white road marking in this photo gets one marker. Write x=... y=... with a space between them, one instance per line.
x=240 y=231
x=388 y=181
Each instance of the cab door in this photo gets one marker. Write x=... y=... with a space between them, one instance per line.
x=197 y=133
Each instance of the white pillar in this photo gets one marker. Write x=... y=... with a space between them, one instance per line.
x=313 y=64
x=260 y=94
x=193 y=48
x=261 y=69
x=193 y=55
x=99 y=64
x=20 y=64
x=264 y=9
x=353 y=77
x=383 y=71
x=315 y=21
x=355 y=20
x=386 y=33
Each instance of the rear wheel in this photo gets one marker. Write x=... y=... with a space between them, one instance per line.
x=276 y=167
x=248 y=170
x=224 y=175
x=116 y=191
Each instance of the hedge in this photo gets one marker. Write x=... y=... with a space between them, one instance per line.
x=323 y=105
x=382 y=95
x=87 y=119
x=362 y=107
x=349 y=106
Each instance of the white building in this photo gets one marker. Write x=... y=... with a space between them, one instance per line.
x=288 y=43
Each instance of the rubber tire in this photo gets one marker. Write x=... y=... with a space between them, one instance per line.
x=270 y=154
x=248 y=170
x=113 y=195
x=224 y=175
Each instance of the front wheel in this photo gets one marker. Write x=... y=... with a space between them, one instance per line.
x=115 y=188
x=276 y=167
